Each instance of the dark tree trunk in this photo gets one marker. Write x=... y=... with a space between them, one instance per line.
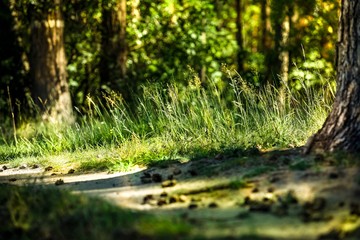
x=114 y=51
x=50 y=89
x=265 y=43
x=13 y=69
x=239 y=36
x=341 y=130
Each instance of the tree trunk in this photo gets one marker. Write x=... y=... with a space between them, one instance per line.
x=13 y=62
x=285 y=57
x=265 y=43
x=239 y=36
x=284 y=54
x=341 y=130
x=114 y=51
x=50 y=89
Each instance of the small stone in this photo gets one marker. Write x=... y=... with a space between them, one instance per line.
x=161 y=202
x=168 y=183
x=22 y=167
x=4 y=167
x=156 y=177
x=147 y=198
x=333 y=175
x=255 y=190
x=173 y=199
x=193 y=206
x=163 y=194
x=247 y=200
x=71 y=171
x=59 y=182
x=49 y=168
x=183 y=198
x=12 y=179
x=170 y=177
x=271 y=189
x=35 y=166
x=1 y=170
x=177 y=171
x=213 y=205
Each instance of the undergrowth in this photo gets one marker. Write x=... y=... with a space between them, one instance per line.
x=177 y=122
x=45 y=213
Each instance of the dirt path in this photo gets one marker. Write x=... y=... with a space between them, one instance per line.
x=226 y=197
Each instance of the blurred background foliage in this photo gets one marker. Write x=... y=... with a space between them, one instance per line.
x=174 y=41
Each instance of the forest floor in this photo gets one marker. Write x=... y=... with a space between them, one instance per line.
x=278 y=194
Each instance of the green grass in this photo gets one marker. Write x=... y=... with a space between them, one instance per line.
x=45 y=213
x=172 y=123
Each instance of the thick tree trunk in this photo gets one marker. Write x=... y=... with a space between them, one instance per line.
x=276 y=66
x=114 y=51
x=265 y=43
x=122 y=58
x=50 y=89
x=284 y=57
x=341 y=130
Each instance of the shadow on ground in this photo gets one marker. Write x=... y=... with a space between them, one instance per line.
x=278 y=194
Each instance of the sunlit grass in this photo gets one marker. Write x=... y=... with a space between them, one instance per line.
x=174 y=122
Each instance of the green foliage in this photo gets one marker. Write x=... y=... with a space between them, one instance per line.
x=169 y=36
x=165 y=38
x=189 y=122
x=184 y=102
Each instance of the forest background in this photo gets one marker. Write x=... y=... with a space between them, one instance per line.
x=117 y=52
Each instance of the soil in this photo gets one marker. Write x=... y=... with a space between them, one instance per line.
x=261 y=195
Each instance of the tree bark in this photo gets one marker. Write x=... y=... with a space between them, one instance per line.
x=239 y=36
x=114 y=51
x=265 y=43
x=50 y=89
x=341 y=130
x=284 y=56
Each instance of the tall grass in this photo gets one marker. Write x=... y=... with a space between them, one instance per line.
x=190 y=121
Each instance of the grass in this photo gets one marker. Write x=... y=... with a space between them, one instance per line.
x=39 y=213
x=175 y=122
